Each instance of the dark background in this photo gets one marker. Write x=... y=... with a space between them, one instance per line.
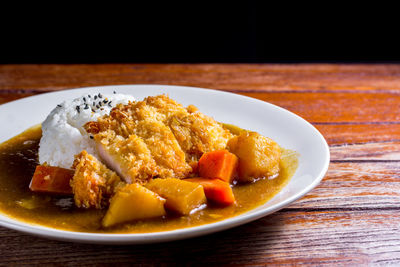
x=198 y=33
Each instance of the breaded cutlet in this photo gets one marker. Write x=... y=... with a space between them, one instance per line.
x=156 y=137
x=93 y=183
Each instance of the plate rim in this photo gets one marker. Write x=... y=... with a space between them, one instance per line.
x=169 y=235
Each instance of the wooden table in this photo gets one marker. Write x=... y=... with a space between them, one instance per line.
x=351 y=218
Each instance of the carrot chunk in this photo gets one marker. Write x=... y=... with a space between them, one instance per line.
x=51 y=180
x=219 y=164
x=215 y=190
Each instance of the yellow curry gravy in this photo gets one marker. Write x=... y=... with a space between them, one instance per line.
x=19 y=157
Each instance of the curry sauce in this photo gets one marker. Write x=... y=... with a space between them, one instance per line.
x=19 y=157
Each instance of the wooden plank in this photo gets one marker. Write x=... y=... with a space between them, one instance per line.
x=244 y=77
x=387 y=151
x=355 y=237
x=374 y=185
x=335 y=134
x=337 y=107
x=339 y=134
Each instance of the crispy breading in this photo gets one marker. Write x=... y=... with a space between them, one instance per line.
x=174 y=136
x=166 y=106
x=198 y=134
x=93 y=183
x=129 y=157
x=168 y=155
x=195 y=132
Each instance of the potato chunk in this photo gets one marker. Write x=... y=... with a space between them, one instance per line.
x=182 y=196
x=259 y=156
x=133 y=202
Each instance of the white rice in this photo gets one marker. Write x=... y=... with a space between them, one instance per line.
x=63 y=133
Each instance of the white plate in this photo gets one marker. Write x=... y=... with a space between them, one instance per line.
x=288 y=129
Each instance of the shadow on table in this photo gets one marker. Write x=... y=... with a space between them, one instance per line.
x=243 y=244
x=238 y=245
x=249 y=243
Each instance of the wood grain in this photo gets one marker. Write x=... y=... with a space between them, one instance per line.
x=350 y=219
x=377 y=151
x=337 y=107
x=351 y=238
x=353 y=185
x=243 y=77
x=346 y=134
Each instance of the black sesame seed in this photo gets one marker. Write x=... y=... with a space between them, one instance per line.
x=89 y=96
x=59 y=106
x=95 y=97
x=91 y=137
x=94 y=103
x=86 y=106
x=97 y=106
x=114 y=92
x=78 y=109
x=100 y=96
x=105 y=101
x=84 y=99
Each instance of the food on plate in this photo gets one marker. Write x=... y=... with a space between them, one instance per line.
x=164 y=135
x=181 y=196
x=259 y=156
x=93 y=183
x=133 y=202
x=219 y=164
x=110 y=163
x=63 y=134
x=220 y=192
x=51 y=179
